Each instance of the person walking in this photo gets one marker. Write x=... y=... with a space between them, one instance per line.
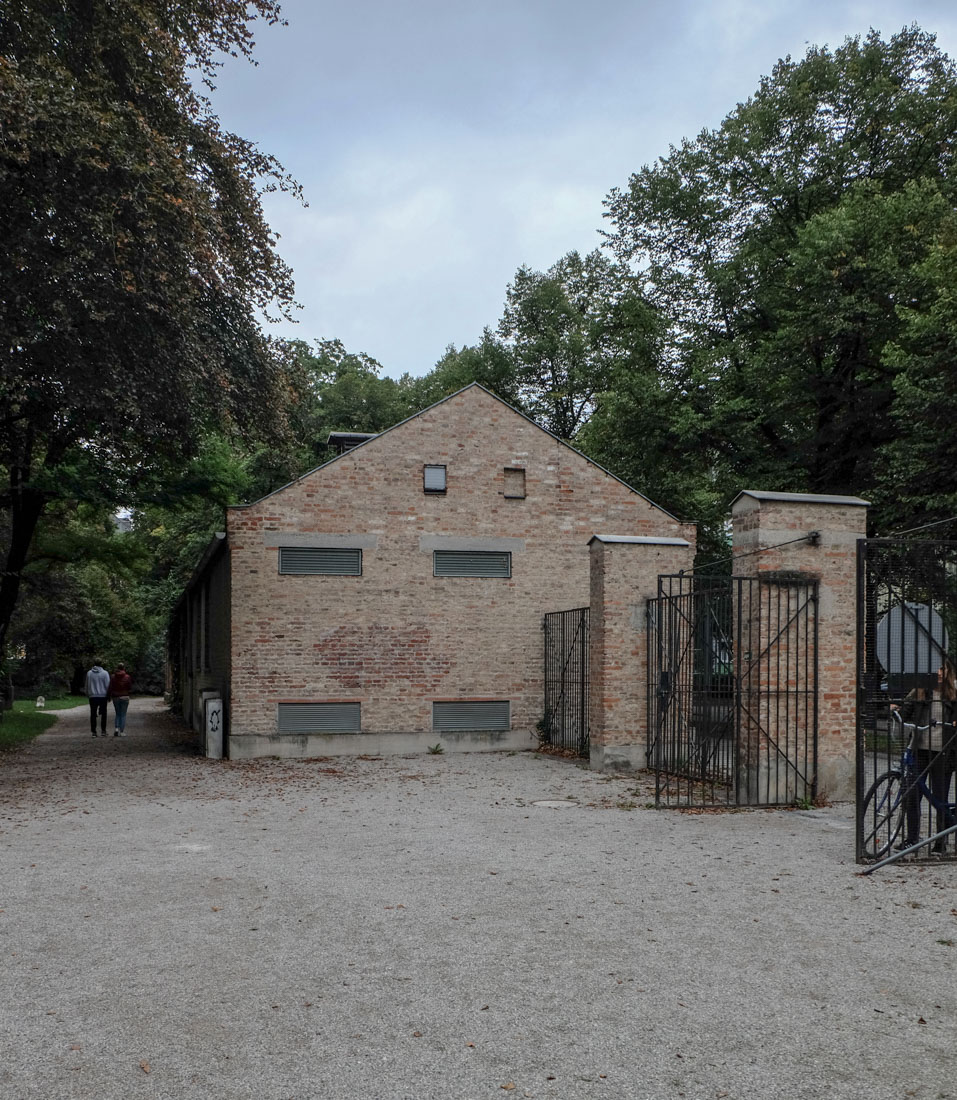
x=97 y=691
x=120 y=684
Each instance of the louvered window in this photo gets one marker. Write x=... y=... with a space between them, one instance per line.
x=433 y=479
x=471 y=563
x=319 y=718
x=312 y=560
x=467 y=714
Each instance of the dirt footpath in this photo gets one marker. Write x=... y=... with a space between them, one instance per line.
x=173 y=927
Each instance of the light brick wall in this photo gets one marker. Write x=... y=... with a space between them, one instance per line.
x=759 y=520
x=624 y=576
x=398 y=638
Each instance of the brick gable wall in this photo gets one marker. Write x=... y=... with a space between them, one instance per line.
x=397 y=637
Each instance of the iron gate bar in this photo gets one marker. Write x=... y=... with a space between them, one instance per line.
x=678 y=663
x=787 y=695
x=901 y=575
x=732 y=700
x=565 y=721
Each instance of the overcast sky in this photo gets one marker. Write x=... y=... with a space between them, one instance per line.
x=442 y=144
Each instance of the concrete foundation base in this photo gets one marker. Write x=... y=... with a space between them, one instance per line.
x=764 y=786
x=249 y=746
x=617 y=758
x=836 y=779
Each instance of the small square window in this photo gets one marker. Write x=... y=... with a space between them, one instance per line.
x=433 y=479
x=514 y=483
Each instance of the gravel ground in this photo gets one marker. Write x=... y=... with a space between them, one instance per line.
x=417 y=927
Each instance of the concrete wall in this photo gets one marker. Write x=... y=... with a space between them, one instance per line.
x=397 y=638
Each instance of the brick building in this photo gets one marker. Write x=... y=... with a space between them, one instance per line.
x=393 y=597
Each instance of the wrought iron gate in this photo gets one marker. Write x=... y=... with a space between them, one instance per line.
x=732 y=707
x=565 y=724
x=907 y=630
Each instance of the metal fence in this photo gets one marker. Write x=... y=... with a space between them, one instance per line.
x=732 y=707
x=906 y=732
x=565 y=723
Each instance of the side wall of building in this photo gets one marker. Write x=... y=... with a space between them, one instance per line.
x=397 y=638
x=201 y=639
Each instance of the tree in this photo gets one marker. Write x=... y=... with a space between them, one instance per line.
x=490 y=362
x=348 y=393
x=917 y=470
x=82 y=594
x=568 y=329
x=133 y=254
x=784 y=248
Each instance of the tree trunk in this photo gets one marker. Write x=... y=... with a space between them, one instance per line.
x=25 y=511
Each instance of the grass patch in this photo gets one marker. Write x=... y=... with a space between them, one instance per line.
x=25 y=721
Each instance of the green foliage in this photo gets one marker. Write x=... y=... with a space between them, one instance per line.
x=572 y=330
x=782 y=251
x=26 y=721
x=82 y=594
x=491 y=363
x=344 y=392
x=918 y=469
x=133 y=255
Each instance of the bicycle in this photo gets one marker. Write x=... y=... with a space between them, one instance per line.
x=885 y=804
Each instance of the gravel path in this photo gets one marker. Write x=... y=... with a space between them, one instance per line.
x=173 y=927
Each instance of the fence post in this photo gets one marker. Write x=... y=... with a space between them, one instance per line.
x=815 y=537
x=624 y=576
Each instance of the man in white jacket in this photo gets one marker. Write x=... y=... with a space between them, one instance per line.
x=97 y=690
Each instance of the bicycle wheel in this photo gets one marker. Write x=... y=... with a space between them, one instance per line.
x=882 y=815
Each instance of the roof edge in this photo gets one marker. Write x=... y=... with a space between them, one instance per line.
x=435 y=405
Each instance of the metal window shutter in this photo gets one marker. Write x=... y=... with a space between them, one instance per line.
x=319 y=718
x=312 y=560
x=434 y=479
x=472 y=563
x=466 y=714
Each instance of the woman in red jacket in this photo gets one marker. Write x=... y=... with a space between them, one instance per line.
x=120 y=684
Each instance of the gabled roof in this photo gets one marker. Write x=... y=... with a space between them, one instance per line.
x=435 y=405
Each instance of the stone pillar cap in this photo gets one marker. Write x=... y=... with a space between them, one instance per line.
x=642 y=540
x=802 y=498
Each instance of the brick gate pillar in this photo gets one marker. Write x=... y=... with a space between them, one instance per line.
x=624 y=576
x=763 y=521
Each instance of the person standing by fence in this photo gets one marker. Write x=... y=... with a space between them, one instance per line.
x=120 y=684
x=936 y=752
x=97 y=690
